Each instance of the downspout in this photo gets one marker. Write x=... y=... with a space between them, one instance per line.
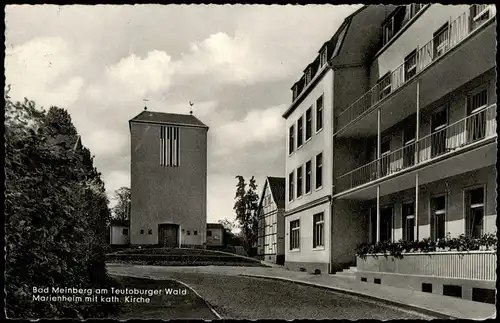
x=332 y=146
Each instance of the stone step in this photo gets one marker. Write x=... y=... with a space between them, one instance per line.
x=345 y=274
x=353 y=268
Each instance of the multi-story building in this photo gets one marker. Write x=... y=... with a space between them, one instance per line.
x=168 y=180
x=410 y=143
x=315 y=236
x=271 y=237
x=415 y=154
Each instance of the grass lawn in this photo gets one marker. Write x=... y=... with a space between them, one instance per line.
x=163 y=307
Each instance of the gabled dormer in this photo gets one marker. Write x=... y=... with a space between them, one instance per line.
x=273 y=195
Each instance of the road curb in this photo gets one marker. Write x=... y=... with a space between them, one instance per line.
x=210 y=307
x=415 y=308
x=219 y=317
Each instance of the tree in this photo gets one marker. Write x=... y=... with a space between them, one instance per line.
x=228 y=225
x=121 y=210
x=56 y=213
x=246 y=212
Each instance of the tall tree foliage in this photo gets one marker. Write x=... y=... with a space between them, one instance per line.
x=246 y=211
x=121 y=210
x=56 y=213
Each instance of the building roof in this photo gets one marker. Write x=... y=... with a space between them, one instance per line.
x=214 y=226
x=331 y=43
x=168 y=118
x=277 y=186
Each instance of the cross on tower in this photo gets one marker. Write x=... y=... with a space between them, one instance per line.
x=145 y=103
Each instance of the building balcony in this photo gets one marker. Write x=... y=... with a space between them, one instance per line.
x=458 y=53
x=456 y=139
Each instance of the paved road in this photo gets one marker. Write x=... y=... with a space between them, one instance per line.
x=235 y=297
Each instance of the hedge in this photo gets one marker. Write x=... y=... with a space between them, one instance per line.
x=462 y=243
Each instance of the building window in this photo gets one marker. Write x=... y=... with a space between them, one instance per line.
x=388 y=31
x=477 y=101
x=150 y=231
x=169 y=146
x=476 y=121
x=195 y=233
x=142 y=231
x=318 y=233
x=291 y=139
x=308 y=176
x=308 y=123
x=319 y=113
x=475 y=212
x=339 y=42
x=441 y=40
x=438 y=217
x=384 y=86
x=290 y=186
x=319 y=170
x=295 y=92
x=410 y=65
x=294 y=234
x=323 y=57
x=299 y=181
x=439 y=121
x=188 y=233
x=300 y=131
x=408 y=222
x=411 y=11
x=125 y=232
x=393 y=24
x=479 y=13
x=308 y=75
x=209 y=233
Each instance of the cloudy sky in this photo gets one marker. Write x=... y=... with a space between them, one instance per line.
x=237 y=63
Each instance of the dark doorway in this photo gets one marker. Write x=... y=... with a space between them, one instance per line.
x=373 y=224
x=168 y=235
x=386 y=224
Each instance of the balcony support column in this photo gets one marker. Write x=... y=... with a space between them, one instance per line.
x=378 y=143
x=416 y=206
x=417 y=126
x=378 y=213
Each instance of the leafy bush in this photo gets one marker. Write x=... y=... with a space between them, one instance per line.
x=462 y=243
x=56 y=214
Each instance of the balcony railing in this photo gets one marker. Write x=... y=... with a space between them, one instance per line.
x=464 y=132
x=450 y=36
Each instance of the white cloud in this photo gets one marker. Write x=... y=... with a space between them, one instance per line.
x=116 y=179
x=266 y=45
x=230 y=60
x=133 y=77
x=258 y=126
x=220 y=193
x=41 y=70
x=105 y=143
